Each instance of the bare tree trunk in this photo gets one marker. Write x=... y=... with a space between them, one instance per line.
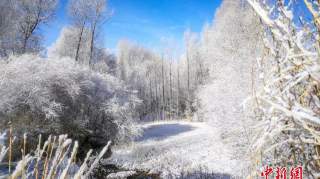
x=178 y=91
x=188 y=74
x=201 y=79
x=24 y=44
x=157 y=95
x=79 y=41
x=92 y=43
x=163 y=91
x=27 y=35
x=170 y=101
x=188 y=81
x=151 y=108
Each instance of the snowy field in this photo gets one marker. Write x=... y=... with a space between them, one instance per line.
x=174 y=147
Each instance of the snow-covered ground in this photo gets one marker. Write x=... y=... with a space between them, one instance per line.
x=176 y=146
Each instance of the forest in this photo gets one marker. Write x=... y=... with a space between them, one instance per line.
x=242 y=100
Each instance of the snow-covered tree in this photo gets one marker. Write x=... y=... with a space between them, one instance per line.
x=79 y=13
x=67 y=45
x=161 y=79
x=20 y=24
x=98 y=14
x=8 y=31
x=80 y=39
x=194 y=72
x=229 y=47
x=137 y=67
x=32 y=14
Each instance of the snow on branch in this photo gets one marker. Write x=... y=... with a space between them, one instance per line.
x=289 y=100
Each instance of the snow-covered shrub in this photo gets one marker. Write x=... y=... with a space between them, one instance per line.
x=54 y=96
x=289 y=102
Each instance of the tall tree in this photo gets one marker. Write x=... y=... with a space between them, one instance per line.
x=8 y=31
x=99 y=13
x=230 y=47
x=33 y=13
x=20 y=21
x=79 y=13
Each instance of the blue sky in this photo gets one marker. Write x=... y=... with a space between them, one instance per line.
x=147 y=22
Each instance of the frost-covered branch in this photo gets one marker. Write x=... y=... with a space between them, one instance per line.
x=290 y=97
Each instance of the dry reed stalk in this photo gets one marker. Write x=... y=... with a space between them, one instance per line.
x=61 y=153
x=35 y=172
x=95 y=163
x=24 y=153
x=50 y=156
x=47 y=155
x=84 y=166
x=73 y=155
x=10 y=146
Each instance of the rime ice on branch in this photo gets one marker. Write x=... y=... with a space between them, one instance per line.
x=289 y=101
